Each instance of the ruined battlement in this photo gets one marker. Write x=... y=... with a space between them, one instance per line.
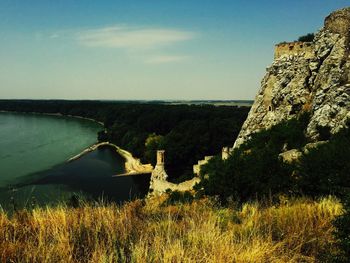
x=294 y=48
x=197 y=167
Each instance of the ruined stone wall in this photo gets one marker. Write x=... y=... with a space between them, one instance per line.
x=294 y=48
x=160 y=187
x=197 y=167
x=158 y=182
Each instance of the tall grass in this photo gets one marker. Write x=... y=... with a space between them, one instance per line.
x=153 y=231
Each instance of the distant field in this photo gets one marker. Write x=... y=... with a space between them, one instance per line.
x=246 y=103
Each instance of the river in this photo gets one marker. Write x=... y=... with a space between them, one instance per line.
x=33 y=169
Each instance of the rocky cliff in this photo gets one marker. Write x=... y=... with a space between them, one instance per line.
x=314 y=77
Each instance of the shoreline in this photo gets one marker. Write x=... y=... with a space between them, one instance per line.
x=54 y=114
x=133 y=166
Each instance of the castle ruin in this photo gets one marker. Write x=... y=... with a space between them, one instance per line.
x=159 y=183
x=159 y=171
x=294 y=48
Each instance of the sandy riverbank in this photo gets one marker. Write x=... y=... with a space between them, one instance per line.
x=133 y=165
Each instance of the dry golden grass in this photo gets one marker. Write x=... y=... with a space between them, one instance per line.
x=295 y=231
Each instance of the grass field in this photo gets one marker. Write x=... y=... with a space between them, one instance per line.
x=293 y=231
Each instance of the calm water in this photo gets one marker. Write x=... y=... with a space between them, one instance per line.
x=33 y=151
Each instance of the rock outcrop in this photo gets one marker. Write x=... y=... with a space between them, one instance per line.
x=313 y=77
x=295 y=154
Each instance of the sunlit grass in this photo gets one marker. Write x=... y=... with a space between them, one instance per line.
x=294 y=231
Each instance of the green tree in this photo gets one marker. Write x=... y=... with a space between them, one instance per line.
x=152 y=144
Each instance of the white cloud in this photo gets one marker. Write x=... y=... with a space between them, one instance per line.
x=54 y=35
x=130 y=38
x=165 y=59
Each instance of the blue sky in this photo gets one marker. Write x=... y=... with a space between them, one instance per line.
x=154 y=49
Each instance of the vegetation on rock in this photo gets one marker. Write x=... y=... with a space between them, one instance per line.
x=307 y=38
x=256 y=170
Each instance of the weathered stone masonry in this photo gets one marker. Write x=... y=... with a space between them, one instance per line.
x=294 y=48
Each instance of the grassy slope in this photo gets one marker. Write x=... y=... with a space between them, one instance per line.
x=294 y=231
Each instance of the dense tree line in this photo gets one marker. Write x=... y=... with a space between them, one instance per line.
x=186 y=132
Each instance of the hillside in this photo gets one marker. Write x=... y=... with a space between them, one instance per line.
x=157 y=231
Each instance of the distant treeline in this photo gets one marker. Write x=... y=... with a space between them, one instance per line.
x=186 y=132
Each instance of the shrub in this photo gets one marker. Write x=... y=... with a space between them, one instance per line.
x=307 y=38
x=255 y=169
x=325 y=169
x=324 y=132
x=342 y=232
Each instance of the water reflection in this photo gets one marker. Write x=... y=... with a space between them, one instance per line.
x=89 y=176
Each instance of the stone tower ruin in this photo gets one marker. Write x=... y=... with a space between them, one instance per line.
x=160 y=157
x=159 y=171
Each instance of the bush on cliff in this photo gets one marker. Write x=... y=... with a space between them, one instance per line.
x=307 y=38
x=256 y=170
x=326 y=169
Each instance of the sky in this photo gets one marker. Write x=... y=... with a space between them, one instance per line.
x=146 y=50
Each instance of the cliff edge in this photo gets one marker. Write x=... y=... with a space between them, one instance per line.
x=309 y=77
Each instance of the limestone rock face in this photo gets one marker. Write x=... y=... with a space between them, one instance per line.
x=295 y=154
x=290 y=156
x=338 y=22
x=315 y=81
